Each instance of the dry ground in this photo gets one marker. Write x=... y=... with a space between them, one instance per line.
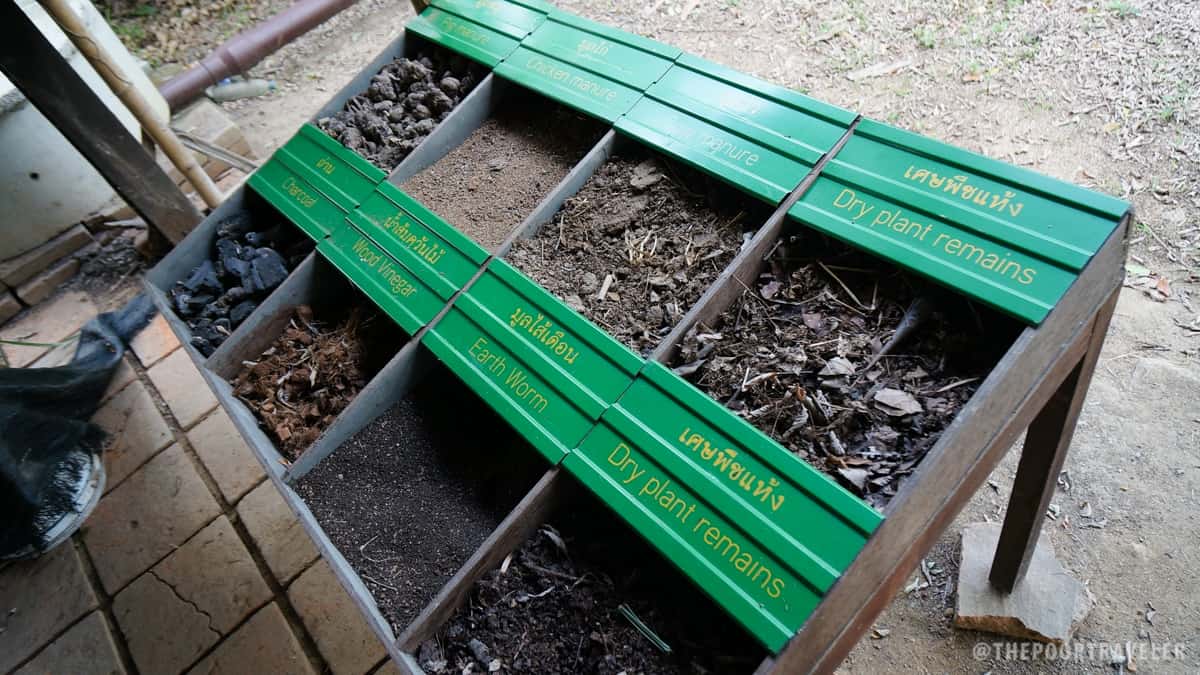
x=1102 y=93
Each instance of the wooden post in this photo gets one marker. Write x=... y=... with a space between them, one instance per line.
x=1046 y=445
x=33 y=64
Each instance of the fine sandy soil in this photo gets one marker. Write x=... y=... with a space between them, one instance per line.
x=496 y=177
x=1103 y=93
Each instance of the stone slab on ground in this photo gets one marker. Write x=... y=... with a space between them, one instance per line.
x=264 y=644
x=154 y=342
x=183 y=387
x=164 y=633
x=276 y=532
x=49 y=322
x=18 y=270
x=335 y=622
x=226 y=455
x=214 y=585
x=136 y=432
x=147 y=517
x=9 y=307
x=87 y=647
x=1046 y=605
x=40 y=598
x=44 y=283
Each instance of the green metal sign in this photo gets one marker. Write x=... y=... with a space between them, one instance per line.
x=464 y=36
x=299 y=202
x=588 y=362
x=1061 y=223
x=403 y=226
x=622 y=57
x=742 y=161
x=1000 y=275
x=411 y=301
x=789 y=123
x=338 y=172
x=514 y=19
x=761 y=531
x=489 y=356
x=568 y=84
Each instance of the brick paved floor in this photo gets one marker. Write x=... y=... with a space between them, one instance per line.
x=192 y=562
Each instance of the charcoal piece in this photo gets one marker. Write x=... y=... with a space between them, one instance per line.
x=269 y=238
x=266 y=271
x=239 y=313
x=203 y=278
x=203 y=346
x=234 y=226
x=222 y=325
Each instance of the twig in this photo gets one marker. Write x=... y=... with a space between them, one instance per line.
x=844 y=287
x=914 y=316
x=952 y=385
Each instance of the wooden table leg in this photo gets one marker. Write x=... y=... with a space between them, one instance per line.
x=1046 y=445
x=53 y=87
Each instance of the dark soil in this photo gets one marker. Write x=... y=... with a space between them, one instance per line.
x=554 y=607
x=638 y=246
x=414 y=494
x=249 y=260
x=404 y=103
x=311 y=373
x=491 y=182
x=800 y=358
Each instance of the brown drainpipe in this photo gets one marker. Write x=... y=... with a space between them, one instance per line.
x=244 y=50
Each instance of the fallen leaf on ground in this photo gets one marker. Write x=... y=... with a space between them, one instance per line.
x=897 y=403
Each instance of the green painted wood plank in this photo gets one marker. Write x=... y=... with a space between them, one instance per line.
x=338 y=172
x=302 y=204
x=987 y=269
x=568 y=84
x=788 y=122
x=491 y=359
x=737 y=159
x=473 y=40
x=622 y=57
x=397 y=222
x=591 y=363
x=516 y=20
x=1041 y=216
x=411 y=301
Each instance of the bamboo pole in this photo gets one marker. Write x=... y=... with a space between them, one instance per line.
x=180 y=156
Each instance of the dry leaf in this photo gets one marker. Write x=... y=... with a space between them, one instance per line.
x=897 y=403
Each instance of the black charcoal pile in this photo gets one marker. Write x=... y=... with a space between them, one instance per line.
x=403 y=105
x=247 y=264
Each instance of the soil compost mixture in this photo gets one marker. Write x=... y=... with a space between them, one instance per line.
x=567 y=600
x=638 y=246
x=851 y=364
x=310 y=374
x=491 y=182
x=410 y=497
x=404 y=103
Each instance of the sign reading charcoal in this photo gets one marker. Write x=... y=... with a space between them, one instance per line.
x=281 y=184
x=464 y=36
x=764 y=533
x=411 y=301
x=1002 y=234
x=339 y=173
